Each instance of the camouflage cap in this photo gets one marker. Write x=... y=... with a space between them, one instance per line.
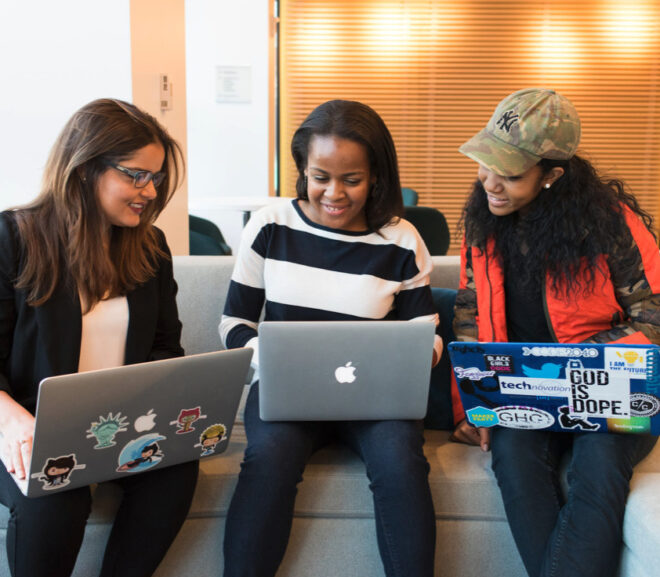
x=526 y=126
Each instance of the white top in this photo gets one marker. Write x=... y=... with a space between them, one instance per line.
x=103 y=342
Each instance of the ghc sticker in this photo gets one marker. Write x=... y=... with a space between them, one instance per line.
x=482 y=417
x=515 y=417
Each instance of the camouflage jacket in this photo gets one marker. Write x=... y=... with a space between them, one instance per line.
x=622 y=308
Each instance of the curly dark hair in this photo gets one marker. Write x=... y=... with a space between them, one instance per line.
x=570 y=224
x=360 y=123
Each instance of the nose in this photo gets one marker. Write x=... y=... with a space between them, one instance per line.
x=334 y=189
x=149 y=192
x=491 y=181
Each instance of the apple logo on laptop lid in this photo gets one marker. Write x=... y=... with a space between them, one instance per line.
x=345 y=373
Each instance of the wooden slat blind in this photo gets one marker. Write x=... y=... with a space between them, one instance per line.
x=435 y=70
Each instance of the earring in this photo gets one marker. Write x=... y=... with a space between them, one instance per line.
x=547 y=185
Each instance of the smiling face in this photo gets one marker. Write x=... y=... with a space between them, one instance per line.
x=338 y=183
x=121 y=202
x=508 y=194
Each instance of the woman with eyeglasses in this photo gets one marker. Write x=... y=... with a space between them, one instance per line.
x=86 y=283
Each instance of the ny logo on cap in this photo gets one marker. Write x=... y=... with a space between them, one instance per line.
x=507 y=120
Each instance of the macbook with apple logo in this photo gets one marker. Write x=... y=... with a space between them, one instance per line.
x=98 y=425
x=344 y=370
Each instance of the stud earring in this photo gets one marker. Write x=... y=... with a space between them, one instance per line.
x=547 y=185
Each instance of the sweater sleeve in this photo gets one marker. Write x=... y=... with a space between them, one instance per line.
x=414 y=300
x=246 y=294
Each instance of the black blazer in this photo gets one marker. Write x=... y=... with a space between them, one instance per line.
x=37 y=342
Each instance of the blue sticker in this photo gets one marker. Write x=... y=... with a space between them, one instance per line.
x=141 y=454
x=482 y=417
x=547 y=371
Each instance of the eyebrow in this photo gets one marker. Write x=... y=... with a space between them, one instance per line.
x=353 y=173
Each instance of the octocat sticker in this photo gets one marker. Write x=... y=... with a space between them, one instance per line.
x=56 y=471
x=141 y=454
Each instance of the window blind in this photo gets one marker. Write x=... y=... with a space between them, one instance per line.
x=436 y=70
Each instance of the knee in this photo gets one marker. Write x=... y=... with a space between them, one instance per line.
x=400 y=462
x=274 y=460
x=67 y=510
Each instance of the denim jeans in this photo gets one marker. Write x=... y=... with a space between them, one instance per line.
x=261 y=512
x=579 y=535
x=44 y=534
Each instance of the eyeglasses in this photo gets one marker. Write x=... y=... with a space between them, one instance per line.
x=141 y=177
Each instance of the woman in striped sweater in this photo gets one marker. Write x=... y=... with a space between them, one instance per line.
x=339 y=251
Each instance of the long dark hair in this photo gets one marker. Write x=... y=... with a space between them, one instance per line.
x=360 y=123
x=63 y=225
x=576 y=220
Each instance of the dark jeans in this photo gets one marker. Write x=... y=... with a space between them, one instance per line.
x=576 y=536
x=44 y=534
x=261 y=512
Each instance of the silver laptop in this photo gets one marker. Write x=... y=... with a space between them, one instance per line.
x=344 y=370
x=99 y=425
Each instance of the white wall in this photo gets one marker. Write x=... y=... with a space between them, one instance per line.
x=54 y=57
x=227 y=142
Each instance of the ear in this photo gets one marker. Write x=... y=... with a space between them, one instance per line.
x=551 y=177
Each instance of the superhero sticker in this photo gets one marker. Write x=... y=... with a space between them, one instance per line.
x=210 y=439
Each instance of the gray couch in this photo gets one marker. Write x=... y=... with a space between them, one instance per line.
x=333 y=532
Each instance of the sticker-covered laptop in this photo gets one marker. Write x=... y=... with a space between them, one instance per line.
x=344 y=370
x=560 y=387
x=99 y=425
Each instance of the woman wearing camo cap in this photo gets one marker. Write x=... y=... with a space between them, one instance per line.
x=555 y=253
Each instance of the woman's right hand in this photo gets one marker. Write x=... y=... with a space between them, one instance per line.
x=16 y=431
x=471 y=435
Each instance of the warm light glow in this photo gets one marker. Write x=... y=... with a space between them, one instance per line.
x=396 y=31
x=387 y=30
x=556 y=48
x=632 y=27
x=318 y=40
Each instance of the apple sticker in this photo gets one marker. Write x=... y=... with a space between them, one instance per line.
x=145 y=422
x=345 y=374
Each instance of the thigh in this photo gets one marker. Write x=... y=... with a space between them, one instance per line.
x=281 y=442
x=391 y=446
x=523 y=458
x=603 y=463
x=44 y=534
